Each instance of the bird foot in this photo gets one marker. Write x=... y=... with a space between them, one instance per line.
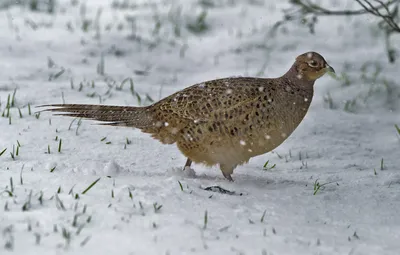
x=228 y=177
x=188 y=172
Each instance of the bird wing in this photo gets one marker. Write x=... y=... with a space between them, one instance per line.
x=212 y=100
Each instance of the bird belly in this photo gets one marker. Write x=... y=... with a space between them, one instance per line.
x=231 y=150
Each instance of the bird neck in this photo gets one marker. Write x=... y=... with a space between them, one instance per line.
x=295 y=77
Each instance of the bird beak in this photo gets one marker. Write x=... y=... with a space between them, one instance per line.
x=329 y=69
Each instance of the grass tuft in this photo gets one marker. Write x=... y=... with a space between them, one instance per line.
x=2 y=152
x=13 y=98
x=157 y=207
x=90 y=186
x=41 y=198
x=318 y=186
x=11 y=184
x=397 y=129
x=85 y=241
x=205 y=220
x=59 y=145
x=12 y=154
x=53 y=168
x=263 y=216
x=59 y=203
x=130 y=194
x=27 y=205
x=21 y=181
x=266 y=167
x=10 y=194
x=120 y=87
x=180 y=185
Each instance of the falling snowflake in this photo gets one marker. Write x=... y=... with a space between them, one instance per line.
x=267 y=137
x=228 y=91
x=299 y=76
x=283 y=135
x=166 y=124
x=242 y=142
x=309 y=55
x=261 y=89
x=190 y=137
x=202 y=85
x=305 y=99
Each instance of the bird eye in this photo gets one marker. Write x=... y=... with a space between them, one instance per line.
x=313 y=63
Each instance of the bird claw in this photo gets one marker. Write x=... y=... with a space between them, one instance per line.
x=228 y=177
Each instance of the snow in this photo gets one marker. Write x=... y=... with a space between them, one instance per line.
x=112 y=168
x=345 y=151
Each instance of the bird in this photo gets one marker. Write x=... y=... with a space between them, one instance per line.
x=224 y=121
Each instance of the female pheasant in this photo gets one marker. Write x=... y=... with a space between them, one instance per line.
x=225 y=121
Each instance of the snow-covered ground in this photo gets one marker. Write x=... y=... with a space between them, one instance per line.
x=142 y=203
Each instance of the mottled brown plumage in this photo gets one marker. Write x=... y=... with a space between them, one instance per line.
x=224 y=121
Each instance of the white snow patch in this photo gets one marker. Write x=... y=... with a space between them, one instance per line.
x=187 y=172
x=112 y=168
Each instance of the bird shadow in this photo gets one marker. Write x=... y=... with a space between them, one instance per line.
x=204 y=180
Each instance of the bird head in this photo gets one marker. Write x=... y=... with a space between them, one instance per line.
x=311 y=66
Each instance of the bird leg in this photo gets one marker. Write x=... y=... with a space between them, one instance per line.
x=227 y=170
x=188 y=163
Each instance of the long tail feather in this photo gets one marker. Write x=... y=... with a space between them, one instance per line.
x=130 y=116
